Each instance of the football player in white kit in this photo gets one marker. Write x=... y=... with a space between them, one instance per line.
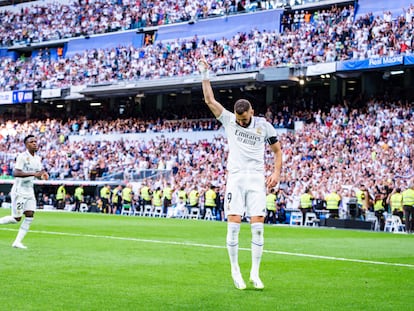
x=246 y=184
x=28 y=166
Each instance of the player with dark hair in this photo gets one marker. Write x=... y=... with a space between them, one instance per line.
x=247 y=136
x=28 y=166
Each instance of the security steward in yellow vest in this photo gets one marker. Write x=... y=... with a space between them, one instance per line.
x=78 y=197
x=210 y=200
x=396 y=203
x=60 y=197
x=145 y=193
x=271 y=207
x=126 y=196
x=157 y=197
x=105 y=195
x=306 y=202
x=332 y=204
x=379 y=209
x=193 y=198
x=167 y=197
x=408 y=206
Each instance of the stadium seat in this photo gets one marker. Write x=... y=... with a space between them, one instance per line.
x=370 y=216
x=296 y=219
x=126 y=209
x=394 y=224
x=311 y=219
x=147 y=210
x=194 y=213
x=185 y=214
x=158 y=211
x=208 y=215
x=83 y=207
x=138 y=210
x=48 y=207
x=69 y=207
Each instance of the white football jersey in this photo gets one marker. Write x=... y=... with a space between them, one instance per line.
x=246 y=145
x=23 y=186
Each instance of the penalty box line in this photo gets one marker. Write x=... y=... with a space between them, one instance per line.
x=217 y=246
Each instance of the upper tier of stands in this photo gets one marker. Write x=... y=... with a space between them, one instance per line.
x=325 y=36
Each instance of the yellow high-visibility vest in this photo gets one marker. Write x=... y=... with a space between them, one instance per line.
x=193 y=197
x=270 y=202
x=306 y=200
x=156 y=199
x=408 y=197
x=210 y=198
x=396 y=201
x=332 y=200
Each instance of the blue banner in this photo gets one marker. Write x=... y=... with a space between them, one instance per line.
x=21 y=97
x=107 y=41
x=226 y=26
x=409 y=60
x=370 y=63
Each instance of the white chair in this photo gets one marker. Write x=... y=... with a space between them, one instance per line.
x=208 y=215
x=296 y=219
x=311 y=219
x=138 y=210
x=185 y=214
x=370 y=216
x=394 y=224
x=147 y=210
x=48 y=207
x=126 y=209
x=158 y=211
x=170 y=212
x=69 y=207
x=83 y=207
x=194 y=213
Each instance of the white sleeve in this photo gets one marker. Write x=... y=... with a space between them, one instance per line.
x=19 y=161
x=225 y=117
x=270 y=131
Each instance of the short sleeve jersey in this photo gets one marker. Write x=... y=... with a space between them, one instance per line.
x=246 y=145
x=23 y=186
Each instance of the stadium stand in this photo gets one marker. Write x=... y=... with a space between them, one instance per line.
x=126 y=105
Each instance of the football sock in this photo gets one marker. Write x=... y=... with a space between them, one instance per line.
x=7 y=220
x=232 y=240
x=24 y=228
x=257 y=247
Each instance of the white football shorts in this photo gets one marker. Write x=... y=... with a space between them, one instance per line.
x=21 y=204
x=245 y=195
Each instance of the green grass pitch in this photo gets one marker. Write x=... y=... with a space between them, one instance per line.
x=105 y=262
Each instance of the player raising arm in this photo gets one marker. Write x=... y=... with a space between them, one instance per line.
x=246 y=184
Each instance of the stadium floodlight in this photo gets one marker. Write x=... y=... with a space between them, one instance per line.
x=94 y=104
x=397 y=72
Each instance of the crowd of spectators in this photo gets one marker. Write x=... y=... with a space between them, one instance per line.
x=324 y=36
x=42 y=21
x=348 y=146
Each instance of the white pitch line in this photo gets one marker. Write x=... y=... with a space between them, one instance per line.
x=217 y=246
